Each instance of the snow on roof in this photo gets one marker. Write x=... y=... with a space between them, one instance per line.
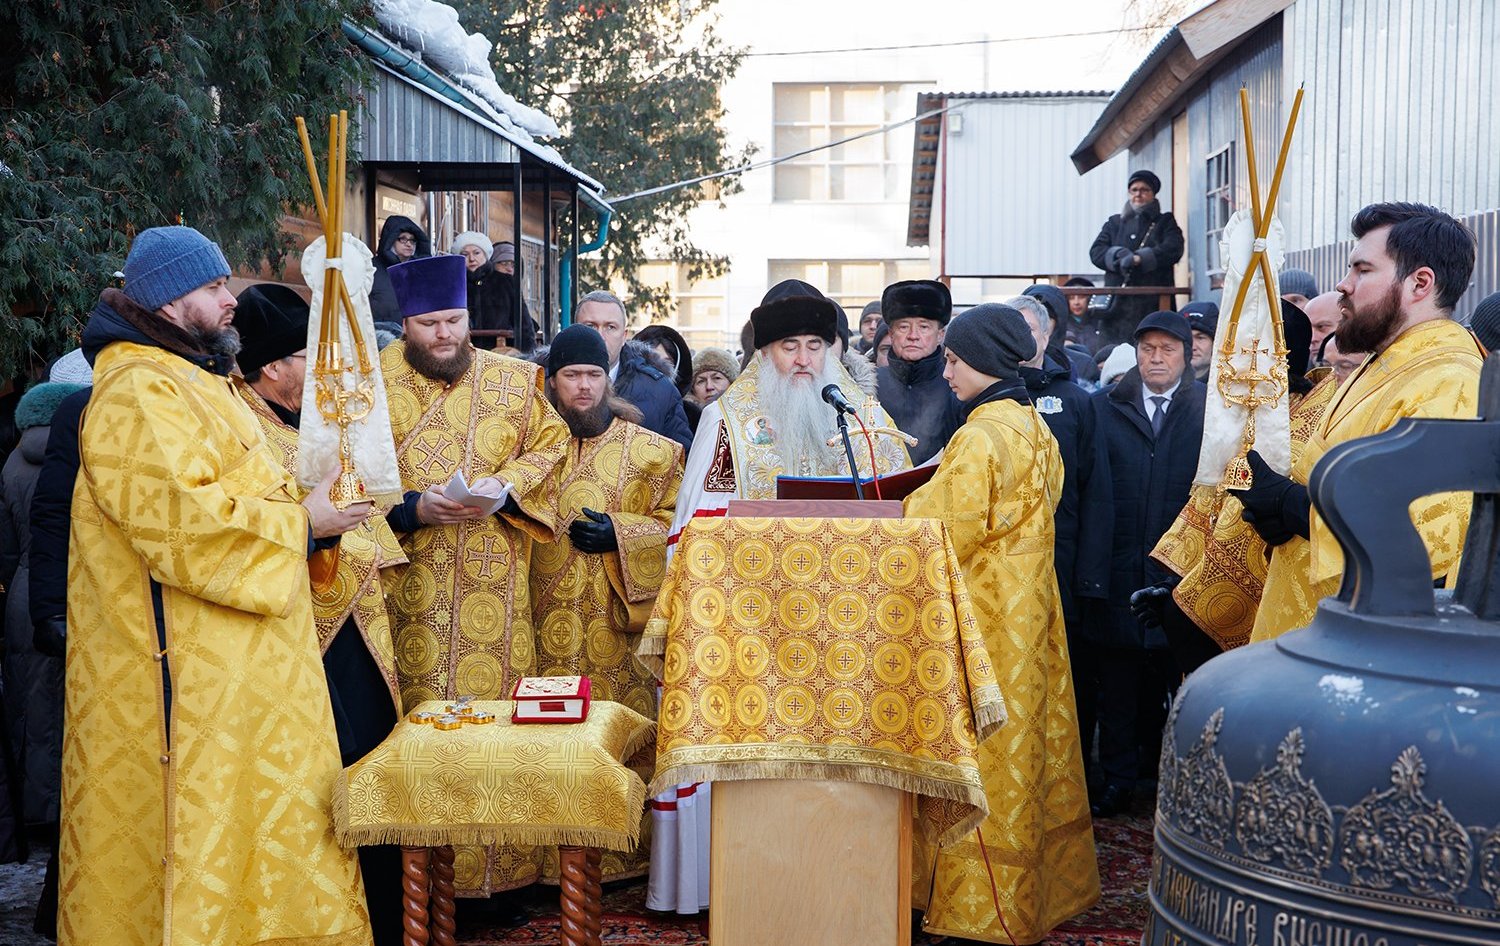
x=432 y=30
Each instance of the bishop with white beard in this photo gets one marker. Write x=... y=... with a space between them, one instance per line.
x=773 y=421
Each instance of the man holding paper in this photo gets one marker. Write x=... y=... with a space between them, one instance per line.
x=461 y=613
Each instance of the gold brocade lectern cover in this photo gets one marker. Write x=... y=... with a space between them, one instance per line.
x=498 y=783
x=824 y=648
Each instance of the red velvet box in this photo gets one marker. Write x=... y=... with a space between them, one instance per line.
x=551 y=700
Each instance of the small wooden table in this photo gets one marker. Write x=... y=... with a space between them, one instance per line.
x=427 y=790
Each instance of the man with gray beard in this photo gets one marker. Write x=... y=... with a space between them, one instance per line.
x=773 y=420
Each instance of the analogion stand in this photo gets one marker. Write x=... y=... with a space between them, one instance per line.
x=373 y=804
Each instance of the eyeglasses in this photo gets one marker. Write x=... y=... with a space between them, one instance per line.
x=406 y=238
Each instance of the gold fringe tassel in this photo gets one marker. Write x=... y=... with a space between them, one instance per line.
x=535 y=835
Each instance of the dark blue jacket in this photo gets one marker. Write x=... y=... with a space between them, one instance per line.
x=1151 y=479
x=919 y=400
x=52 y=522
x=649 y=387
x=1069 y=414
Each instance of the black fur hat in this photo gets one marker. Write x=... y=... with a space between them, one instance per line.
x=916 y=298
x=792 y=307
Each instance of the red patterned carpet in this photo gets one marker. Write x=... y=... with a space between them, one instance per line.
x=1124 y=846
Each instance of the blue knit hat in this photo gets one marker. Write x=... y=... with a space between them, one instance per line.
x=167 y=263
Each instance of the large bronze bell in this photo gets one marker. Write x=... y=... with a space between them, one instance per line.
x=1340 y=786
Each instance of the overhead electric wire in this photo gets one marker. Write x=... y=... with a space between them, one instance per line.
x=948 y=44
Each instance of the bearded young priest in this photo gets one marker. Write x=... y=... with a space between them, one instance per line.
x=772 y=420
x=593 y=588
x=997 y=489
x=1409 y=266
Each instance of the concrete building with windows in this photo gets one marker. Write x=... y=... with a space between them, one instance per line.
x=838 y=218
x=1396 y=107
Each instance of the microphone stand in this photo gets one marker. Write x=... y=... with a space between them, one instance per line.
x=859 y=491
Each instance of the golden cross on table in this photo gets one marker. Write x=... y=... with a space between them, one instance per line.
x=456 y=715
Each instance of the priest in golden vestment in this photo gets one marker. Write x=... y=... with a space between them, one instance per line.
x=996 y=490
x=354 y=630
x=1220 y=559
x=461 y=612
x=772 y=421
x=593 y=589
x=199 y=753
x=1409 y=265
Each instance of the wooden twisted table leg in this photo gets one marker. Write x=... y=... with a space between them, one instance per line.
x=443 y=922
x=596 y=896
x=581 y=896
x=414 y=895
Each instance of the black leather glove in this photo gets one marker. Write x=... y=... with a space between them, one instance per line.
x=50 y=636
x=1148 y=603
x=595 y=534
x=1276 y=506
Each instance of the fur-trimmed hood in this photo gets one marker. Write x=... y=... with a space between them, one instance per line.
x=862 y=370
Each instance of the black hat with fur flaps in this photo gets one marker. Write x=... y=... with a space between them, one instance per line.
x=916 y=299
x=792 y=307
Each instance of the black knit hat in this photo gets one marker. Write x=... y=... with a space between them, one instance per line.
x=1202 y=316
x=916 y=298
x=792 y=307
x=881 y=331
x=1170 y=322
x=992 y=339
x=1296 y=329
x=1152 y=181
x=1485 y=322
x=577 y=345
x=272 y=322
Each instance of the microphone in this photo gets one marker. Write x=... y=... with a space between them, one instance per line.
x=835 y=397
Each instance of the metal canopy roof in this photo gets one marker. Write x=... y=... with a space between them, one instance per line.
x=408 y=124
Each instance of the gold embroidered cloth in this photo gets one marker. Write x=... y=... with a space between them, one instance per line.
x=461 y=612
x=1221 y=558
x=556 y=783
x=1430 y=370
x=824 y=648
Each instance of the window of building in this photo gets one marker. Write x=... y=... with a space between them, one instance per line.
x=1219 y=187
x=873 y=169
x=699 y=306
x=850 y=283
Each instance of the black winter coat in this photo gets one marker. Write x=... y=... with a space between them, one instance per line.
x=1153 y=235
x=1151 y=478
x=646 y=383
x=383 y=304
x=51 y=520
x=919 y=400
x=492 y=305
x=1069 y=414
x=33 y=681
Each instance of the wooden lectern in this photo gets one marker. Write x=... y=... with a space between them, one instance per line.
x=810 y=861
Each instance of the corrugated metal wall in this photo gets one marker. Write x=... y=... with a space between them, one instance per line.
x=1016 y=205
x=404 y=122
x=1400 y=105
x=1213 y=111
x=1329 y=262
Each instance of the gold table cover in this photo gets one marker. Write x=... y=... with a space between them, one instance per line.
x=840 y=649
x=499 y=783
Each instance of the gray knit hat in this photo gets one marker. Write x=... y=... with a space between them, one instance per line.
x=1298 y=281
x=167 y=263
x=1485 y=322
x=992 y=339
